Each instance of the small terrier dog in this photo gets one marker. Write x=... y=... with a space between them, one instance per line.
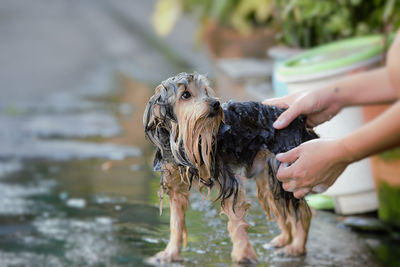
x=199 y=139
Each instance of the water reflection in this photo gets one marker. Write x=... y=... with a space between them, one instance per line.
x=37 y=218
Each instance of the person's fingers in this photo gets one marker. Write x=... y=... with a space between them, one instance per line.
x=289 y=186
x=277 y=101
x=287 y=117
x=270 y=101
x=318 y=118
x=289 y=156
x=285 y=172
x=302 y=192
x=320 y=188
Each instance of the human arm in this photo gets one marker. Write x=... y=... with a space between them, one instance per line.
x=320 y=162
x=316 y=164
x=384 y=132
x=371 y=87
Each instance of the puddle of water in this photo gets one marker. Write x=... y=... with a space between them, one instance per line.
x=38 y=219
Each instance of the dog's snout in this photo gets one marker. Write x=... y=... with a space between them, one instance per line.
x=215 y=105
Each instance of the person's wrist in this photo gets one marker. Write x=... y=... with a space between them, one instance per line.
x=345 y=151
x=332 y=98
x=337 y=97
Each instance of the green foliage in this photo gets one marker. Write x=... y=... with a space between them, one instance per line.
x=165 y=15
x=242 y=15
x=307 y=23
x=392 y=154
x=389 y=199
x=298 y=23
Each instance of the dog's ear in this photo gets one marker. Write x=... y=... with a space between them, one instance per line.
x=149 y=118
x=164 y=102
x=157 y=162
x=158 y=109
x=157 y=117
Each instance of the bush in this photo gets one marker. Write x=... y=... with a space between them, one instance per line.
x=297 y=23
x=307 y=23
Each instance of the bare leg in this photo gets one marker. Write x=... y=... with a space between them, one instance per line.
x=178 y=192
x=242 y=251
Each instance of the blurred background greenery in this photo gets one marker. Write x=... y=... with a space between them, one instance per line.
x=295 y=23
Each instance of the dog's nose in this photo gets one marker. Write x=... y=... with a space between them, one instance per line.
x=215 y=105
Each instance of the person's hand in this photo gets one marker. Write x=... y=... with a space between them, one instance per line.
x=312 y=167
x=319 y=106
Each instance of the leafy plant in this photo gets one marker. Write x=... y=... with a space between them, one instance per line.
x=242 y=15
x=306 y=23
x=298 y=23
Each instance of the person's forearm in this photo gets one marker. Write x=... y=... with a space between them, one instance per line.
x=378 y=135
x=371 y=87
x=393 y=64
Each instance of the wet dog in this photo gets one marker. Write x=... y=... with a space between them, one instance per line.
x=198 y=139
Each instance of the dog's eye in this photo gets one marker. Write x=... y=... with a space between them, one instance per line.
x=186 y=95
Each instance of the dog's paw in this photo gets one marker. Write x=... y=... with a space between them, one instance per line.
x=164 y=256
x=291 y=251
x=280 y=241
x=245 y=256
x=248 y=260
x=294 y=250
x=245 y=260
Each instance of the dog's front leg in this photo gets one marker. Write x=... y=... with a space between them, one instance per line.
x=178 y=192
x=242 y=251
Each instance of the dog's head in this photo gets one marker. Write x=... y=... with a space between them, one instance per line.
x=185 y=113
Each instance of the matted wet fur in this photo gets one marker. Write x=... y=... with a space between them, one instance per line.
x=198 y=139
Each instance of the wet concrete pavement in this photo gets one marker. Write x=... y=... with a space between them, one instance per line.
x=75 y=213
x=76 y=188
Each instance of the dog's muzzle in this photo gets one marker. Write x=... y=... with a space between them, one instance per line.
x=214 y=107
